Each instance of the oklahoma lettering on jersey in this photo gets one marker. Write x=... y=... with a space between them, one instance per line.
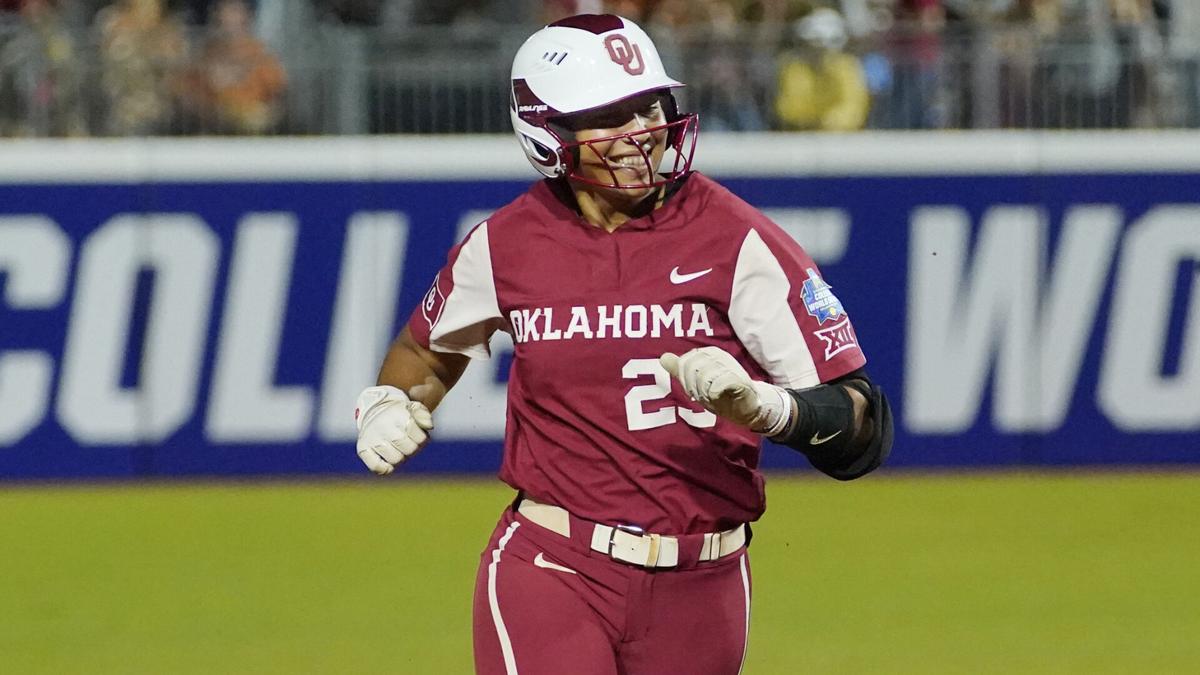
x=611 y=321
x=595 y=424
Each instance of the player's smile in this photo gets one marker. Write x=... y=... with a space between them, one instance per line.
x=634 y=163
x=628 y=160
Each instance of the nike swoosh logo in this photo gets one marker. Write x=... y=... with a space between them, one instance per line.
x=541 y=561
x=677 y=278
x=817 y=440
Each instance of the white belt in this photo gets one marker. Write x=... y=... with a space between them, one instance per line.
x=631 y=544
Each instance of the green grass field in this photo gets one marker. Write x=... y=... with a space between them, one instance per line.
x=1006 y=573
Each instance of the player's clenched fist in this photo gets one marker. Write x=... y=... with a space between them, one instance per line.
x=391 y=427
x=715 y=380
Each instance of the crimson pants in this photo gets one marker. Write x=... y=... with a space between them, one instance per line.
x=548 y=604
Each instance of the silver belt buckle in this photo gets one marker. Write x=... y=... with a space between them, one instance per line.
x=655 y=545
x=631 y=529
x=612 y=538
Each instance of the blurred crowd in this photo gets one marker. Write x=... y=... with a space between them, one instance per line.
x=131 y=68
x=154 y=67
x=924 y=64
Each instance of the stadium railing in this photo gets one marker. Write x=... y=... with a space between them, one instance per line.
x=428 y=80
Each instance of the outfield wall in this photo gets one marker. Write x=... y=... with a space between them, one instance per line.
x=210 y=306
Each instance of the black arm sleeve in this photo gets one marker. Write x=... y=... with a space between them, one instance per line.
x=825 y=431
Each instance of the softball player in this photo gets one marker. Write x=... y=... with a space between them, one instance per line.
x=662 y=327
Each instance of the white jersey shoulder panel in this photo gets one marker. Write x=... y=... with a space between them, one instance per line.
x=763 y=320
x=471 y=313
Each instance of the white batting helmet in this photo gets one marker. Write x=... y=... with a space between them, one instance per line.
x=582 y=63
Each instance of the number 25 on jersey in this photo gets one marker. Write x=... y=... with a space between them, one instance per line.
x=638 y=397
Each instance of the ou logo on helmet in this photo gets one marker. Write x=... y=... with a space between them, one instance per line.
x=625 y=54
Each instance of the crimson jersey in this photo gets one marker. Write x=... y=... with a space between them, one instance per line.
x=595 y=424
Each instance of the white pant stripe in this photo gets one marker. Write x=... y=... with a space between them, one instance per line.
x=746 y=590
x=510 y=661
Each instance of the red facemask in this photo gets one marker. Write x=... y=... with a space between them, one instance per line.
x=681 y=137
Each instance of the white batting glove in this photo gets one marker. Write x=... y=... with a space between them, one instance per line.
x=715 y=380
x=391 y=427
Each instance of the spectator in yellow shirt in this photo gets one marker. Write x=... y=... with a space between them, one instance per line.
x=820 y=86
